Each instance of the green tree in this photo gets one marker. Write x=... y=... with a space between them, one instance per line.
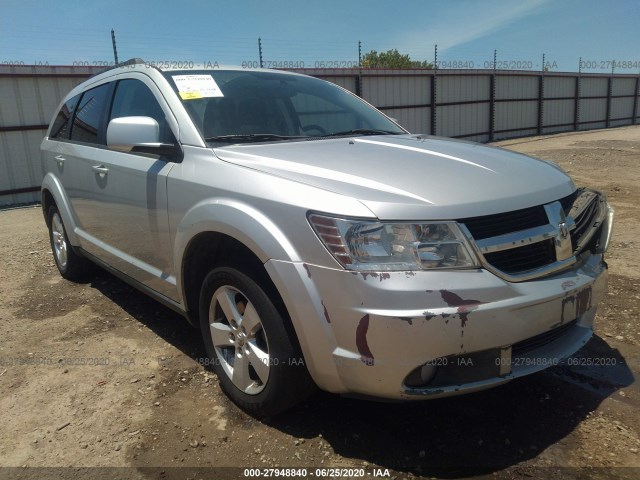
x=391 y=59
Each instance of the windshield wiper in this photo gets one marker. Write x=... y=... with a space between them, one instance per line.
x=361 y=131
x=250 y=137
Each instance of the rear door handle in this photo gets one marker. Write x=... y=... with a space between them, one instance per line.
x=101 y=170
x=59 y=160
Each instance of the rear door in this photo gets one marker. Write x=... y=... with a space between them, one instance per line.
x=86 y=142
x=73 y=141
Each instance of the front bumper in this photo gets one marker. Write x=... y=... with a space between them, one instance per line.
x=365 y=333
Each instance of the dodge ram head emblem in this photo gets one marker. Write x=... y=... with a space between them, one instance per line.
x=562 y=239
x=564 y=230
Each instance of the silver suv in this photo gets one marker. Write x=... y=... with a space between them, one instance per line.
x=317 y=243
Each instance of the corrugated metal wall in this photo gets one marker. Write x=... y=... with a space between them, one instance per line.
x=401 y=94
x=487 y=105
x=463 y=105
x=30 y=96
x=516 y=106
x=480 y=105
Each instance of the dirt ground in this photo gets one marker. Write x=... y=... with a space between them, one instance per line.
x=97 y=375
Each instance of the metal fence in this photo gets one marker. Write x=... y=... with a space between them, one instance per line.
x=489 y=105
x=480 y=105
x=30 y=96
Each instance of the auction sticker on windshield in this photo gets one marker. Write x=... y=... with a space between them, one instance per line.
x=197 y=86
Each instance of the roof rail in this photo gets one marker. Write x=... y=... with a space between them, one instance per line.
x=131 y=61
x=126 y=63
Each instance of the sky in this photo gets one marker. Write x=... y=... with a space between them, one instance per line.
x=326 y=33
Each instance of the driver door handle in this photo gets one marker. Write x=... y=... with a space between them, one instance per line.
x=101 y=170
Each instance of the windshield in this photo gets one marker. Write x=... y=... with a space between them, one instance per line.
x=240 y=106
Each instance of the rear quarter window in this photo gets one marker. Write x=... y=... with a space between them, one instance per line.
x=60 y=128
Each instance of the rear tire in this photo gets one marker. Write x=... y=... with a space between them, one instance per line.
x=251 y=346
x=70 y=265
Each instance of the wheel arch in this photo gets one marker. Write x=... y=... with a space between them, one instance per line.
x=225 y=232
x=52 y=193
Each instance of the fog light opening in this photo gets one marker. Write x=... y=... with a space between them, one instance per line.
x=421 y=377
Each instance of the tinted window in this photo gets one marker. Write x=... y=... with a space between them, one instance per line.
x=134 y=99
x=60 y=128
x=89 y=114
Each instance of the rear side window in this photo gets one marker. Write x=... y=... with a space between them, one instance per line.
x=89 y=115
x=134 y=99
x=60 y=128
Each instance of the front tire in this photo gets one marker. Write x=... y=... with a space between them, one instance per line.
x=251 y=345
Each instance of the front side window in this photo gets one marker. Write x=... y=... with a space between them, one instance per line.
x=90 y=114
x=134 y=99
x=60 y=127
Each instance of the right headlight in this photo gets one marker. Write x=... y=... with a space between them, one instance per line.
x=381 y=246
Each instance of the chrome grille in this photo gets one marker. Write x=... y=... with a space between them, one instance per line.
x=529 y=243
x=493 y=225
x=516 y=260
x=585 y=213
x=501 y=223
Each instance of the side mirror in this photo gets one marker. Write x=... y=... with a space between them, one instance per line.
x=137 y=134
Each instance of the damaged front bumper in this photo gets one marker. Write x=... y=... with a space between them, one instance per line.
x=411 y=335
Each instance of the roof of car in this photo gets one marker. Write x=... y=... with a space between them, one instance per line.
x=155 y=68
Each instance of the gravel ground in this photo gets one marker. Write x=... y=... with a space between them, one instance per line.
x=97 y=375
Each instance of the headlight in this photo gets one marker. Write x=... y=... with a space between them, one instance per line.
x=368 y=245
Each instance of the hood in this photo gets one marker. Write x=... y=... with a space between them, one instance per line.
x=411 y=177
